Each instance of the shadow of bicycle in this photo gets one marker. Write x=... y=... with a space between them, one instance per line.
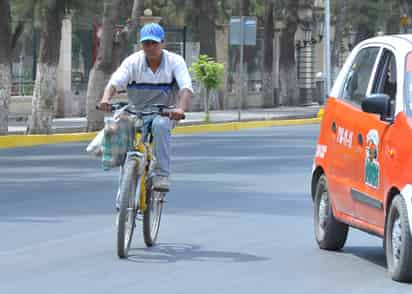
x=171 y=253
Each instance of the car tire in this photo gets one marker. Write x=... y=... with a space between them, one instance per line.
x=398 y=241
x=330 y=234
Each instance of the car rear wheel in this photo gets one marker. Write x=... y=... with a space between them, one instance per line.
x=330 y=234
x=398 y=241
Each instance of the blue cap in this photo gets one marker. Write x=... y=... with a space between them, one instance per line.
x=152 y=32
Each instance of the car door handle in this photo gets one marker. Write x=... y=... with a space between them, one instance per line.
x=360 y=139
x=334 y=127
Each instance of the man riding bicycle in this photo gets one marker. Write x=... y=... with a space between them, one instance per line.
x=150 y=76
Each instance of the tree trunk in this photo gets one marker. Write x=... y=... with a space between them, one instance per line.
x=393 y=23
x=341 y=13
x=362 y=33
x=180 y=11
x=108 y=58
x=45 y=87
x=362 y=30
x=207 y=103
x=268 y=87
x=5 y=65
x=206 y=15
x=287 y=63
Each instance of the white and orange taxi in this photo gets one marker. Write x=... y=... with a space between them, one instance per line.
x=362 y=173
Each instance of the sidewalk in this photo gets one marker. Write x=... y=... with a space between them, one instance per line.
x=78 y=124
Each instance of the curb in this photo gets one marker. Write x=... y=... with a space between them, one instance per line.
x=236 y=126
x=13 y=141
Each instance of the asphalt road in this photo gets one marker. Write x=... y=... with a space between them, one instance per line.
x=238 y=220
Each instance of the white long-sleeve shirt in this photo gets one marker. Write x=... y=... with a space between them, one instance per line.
x=145 y=87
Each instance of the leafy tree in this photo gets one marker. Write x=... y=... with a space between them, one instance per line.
x=209 y=73
x=370 y=16
x=110 y=52
x=201 y=16
x=49 y=14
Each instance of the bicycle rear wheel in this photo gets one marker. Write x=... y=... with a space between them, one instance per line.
x=127 y=212
x=152 y=214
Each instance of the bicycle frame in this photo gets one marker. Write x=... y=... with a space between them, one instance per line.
x=143 y=155
x=136 y=194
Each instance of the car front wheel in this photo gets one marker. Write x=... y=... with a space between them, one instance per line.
x=398 y=241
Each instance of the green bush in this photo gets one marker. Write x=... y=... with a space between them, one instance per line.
x=210 y=74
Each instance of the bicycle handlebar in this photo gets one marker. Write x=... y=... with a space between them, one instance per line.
x=161 y=109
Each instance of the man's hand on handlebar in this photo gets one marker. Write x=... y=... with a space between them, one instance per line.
x=176 y=114
x=105 y=106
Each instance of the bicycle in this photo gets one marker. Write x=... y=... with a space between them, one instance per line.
x=136 y=194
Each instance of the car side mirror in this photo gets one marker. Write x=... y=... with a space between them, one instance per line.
x=379 y=104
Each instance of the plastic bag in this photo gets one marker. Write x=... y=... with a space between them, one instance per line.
x=117 y=140
x=95 y=146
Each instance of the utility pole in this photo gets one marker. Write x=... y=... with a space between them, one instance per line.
x=327 y=47
x=242 y=41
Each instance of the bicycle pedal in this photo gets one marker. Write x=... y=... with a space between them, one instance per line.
x=139 y=217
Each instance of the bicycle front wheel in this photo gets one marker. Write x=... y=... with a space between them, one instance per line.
x=127 y=211
x=152 y=214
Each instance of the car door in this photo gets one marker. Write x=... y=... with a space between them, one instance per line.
x=367 y=189
x=342 y=128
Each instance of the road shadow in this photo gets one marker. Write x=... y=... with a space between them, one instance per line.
x=171 y=253
x=30 y=220
x=373 y=254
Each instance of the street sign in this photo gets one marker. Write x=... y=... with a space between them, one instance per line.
x=249 y=31
x=242 y=32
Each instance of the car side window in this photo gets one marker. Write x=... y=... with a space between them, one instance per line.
x=357 y=79
x=386 y=79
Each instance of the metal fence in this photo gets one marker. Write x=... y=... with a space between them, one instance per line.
x=179 y=40
x=83 y=57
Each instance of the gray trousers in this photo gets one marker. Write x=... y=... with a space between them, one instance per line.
x=161 y=130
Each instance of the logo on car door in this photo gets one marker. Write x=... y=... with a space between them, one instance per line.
x=371 y=159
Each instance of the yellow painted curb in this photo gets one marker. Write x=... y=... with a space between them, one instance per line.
x=13 y=141
x=32 y=140
x=320 y=112
x=235 y=126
